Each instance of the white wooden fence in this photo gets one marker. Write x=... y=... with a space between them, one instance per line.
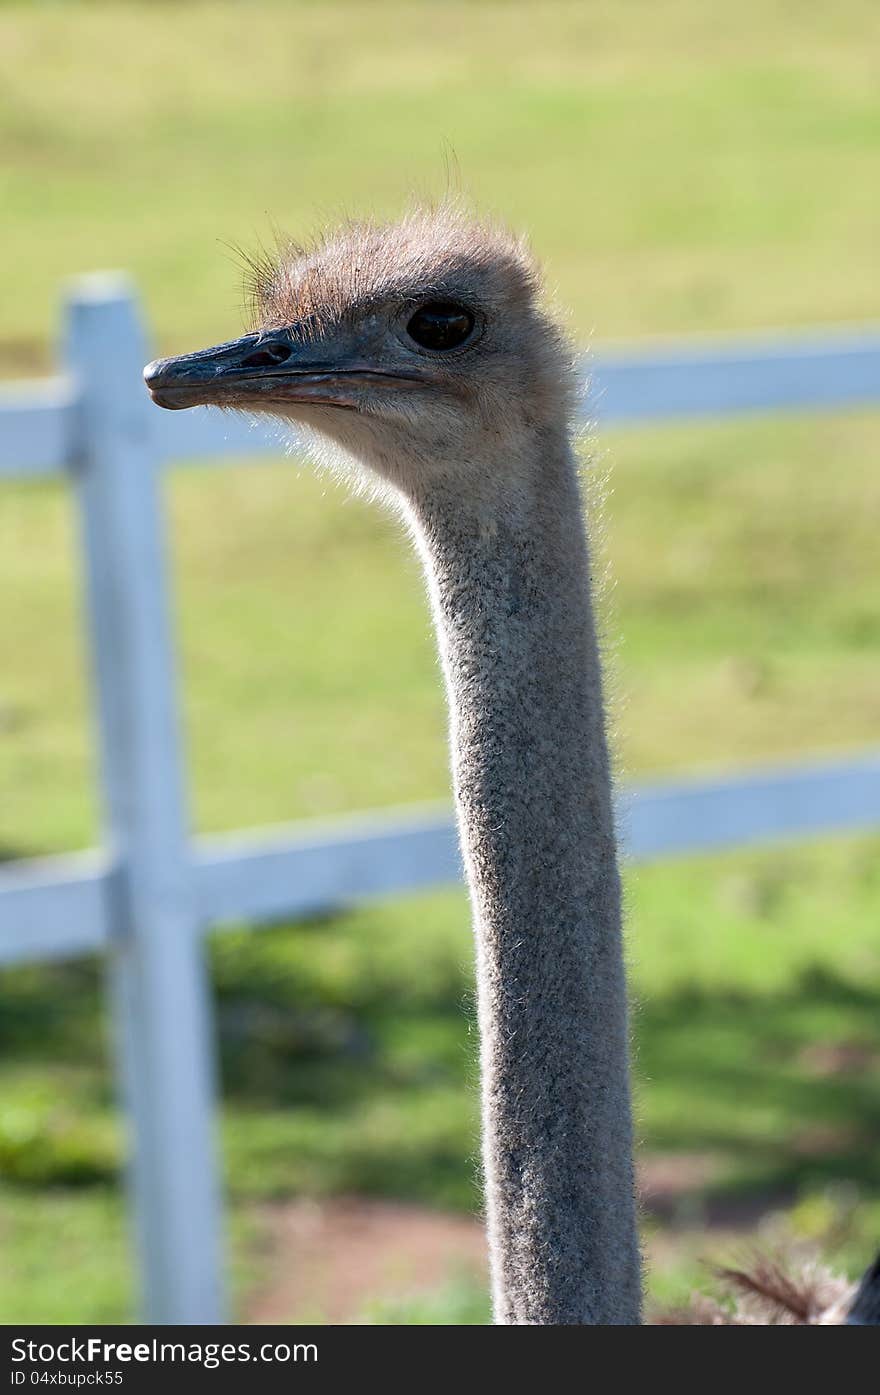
x=146 y=899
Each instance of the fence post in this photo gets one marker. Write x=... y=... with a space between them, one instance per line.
x=158 y=981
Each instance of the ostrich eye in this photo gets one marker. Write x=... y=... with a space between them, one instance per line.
x=440 y=325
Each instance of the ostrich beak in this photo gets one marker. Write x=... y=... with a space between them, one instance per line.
x=264 y=370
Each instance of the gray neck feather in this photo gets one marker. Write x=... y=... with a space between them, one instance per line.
x=510 y=588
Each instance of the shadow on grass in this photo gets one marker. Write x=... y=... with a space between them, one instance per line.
x=783 y=1089
x=346 y=1072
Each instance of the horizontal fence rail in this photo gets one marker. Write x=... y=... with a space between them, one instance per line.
x=816 y=371
x=804 y=372
x=37 y=427
x=147 y=900
x=53 y=908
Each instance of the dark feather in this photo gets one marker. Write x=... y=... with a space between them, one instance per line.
x=865 y=1308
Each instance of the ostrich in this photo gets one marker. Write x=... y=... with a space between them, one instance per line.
x=417 y=357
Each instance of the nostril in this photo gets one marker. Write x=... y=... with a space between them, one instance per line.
x=268 y=356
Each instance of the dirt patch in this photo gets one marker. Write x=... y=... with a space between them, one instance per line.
x=685 y=1192
x=827 y=1059
x=328 y=1259
x=825 y=1141
x=666 y=1180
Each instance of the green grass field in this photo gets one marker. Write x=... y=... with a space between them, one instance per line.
x=677 y=174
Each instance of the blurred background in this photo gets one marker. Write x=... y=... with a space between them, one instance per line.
x=681 y=168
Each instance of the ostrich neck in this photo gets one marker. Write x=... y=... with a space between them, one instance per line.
x=511 y=594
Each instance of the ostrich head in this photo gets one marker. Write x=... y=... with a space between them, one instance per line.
x=415 y=347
